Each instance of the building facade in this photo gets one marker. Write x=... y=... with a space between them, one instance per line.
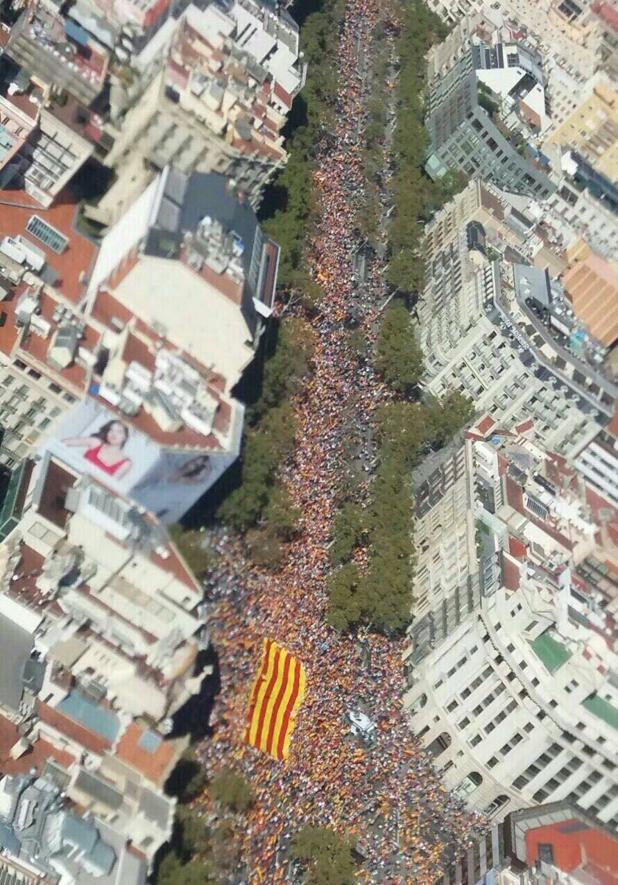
x=212 y=92
x=475 y=120
x=518 y=704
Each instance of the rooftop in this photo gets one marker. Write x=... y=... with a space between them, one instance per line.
x=598 y=706
x=37 y=754
x=71 y=266
x=551 y=652
x=147 y=752
x=95 y=717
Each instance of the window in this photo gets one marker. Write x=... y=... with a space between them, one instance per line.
x=546 y=853
x=528 y=727
x=492 y=762
x=47 y=234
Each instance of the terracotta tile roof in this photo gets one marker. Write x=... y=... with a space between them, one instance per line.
x=485 y=425
x=147 y=753
x=9 y=333
x=77 y=258
x=40 y=752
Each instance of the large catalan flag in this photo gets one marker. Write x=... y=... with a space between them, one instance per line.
x=277 y=693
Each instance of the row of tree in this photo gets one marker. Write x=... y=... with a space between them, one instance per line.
x=207 y=852
x=269 y=437
x=313 y=114
x=416 y=197
x=260 y=507
x=381 y=594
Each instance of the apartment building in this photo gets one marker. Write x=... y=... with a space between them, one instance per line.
x=43 y=144
x=44 y=841
x=592 y=130
x=586 y=205
x=446 y=575
x=99 y=617
x=480 y=113
x=487 y=367
x=212 y=91
x=496 y=322
x=197 y=235
x=518 y=704
x=59 y=53
x=540 y=846
x=91 y=336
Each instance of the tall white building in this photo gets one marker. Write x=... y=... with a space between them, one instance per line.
x=519 y=704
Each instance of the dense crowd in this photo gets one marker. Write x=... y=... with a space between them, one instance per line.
x=385 y=793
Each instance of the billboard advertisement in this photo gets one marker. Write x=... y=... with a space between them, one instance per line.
x=176 y=481
x=94 y=440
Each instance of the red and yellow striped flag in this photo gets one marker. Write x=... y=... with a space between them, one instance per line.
x=277 y=693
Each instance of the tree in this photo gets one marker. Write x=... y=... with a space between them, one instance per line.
x=232 y=790
x=188 y=779
x=191 y=545
x=345 y=598
x=348 y=529
x=194 y=835
x=225 y=850
x=172 y=871
x=399 y=359
x=288 y=364
x=448 y=416
x=327 y=856
x=281 y=514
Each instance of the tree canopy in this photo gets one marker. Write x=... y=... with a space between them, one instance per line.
x=232 y=790
x=327 y=856
x=191 y=545
x=416 y=197
x=399 y=358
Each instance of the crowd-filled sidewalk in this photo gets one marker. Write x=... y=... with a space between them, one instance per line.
x=386 y=793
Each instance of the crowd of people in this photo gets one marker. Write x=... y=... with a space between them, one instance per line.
x=385 y=793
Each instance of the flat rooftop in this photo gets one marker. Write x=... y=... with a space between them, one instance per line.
x=73 y=265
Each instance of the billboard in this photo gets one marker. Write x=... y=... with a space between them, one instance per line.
x=177 y=480
x=94 y=440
